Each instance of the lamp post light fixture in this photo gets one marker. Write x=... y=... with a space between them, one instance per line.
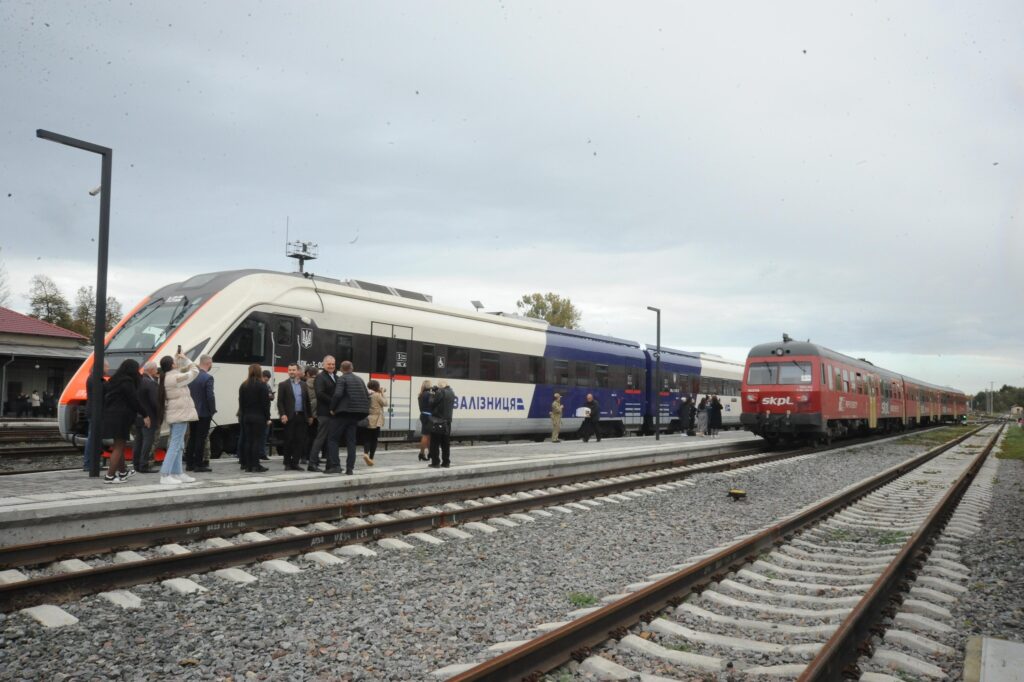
x=657 y=377
x=96 y=409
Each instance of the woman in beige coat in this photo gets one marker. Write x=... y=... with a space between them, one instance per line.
x=375 y=420
x=178 y=410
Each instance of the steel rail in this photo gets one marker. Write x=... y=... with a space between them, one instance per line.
x=575 y=640
x=70 y=585
x=14 y=556
x=38 y=451
x=838 y=657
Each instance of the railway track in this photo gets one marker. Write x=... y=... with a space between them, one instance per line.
x=360 y=522
x=30 y=435
x=802 y=598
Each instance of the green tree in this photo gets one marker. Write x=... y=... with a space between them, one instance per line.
x=47 y=302
x=556 y=309
x=84 y=315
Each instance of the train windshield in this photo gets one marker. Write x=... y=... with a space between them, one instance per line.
x=791 y=372
x=150 y=326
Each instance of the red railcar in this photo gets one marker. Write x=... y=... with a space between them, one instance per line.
x=800 y=390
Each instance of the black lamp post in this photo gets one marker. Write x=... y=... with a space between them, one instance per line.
x=96 y=416
x=657 y=378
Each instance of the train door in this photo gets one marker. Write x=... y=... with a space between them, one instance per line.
x=389 y=348
x=872 y=401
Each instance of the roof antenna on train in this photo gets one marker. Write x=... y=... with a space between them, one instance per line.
x=299 y=250
x=786 y=338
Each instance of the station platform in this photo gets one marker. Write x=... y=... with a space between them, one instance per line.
x=38 y=507
x=994 y=660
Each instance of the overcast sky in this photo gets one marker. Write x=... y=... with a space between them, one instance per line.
x=847 y=172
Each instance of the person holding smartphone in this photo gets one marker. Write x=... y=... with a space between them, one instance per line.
x=178 y=409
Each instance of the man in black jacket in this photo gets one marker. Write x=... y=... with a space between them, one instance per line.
x=294 y=408
x=323 y=387
x=591 y=422
x=148 y=426
x=350 y=403
x=442 y=407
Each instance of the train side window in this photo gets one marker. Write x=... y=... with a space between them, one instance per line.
x=427 y=361
x=247 y=344
x=560 y=372
x=601 y=376
x=583 y=374
x=490 y=366
x=831 y=379
x=824 y=380
x=380 y=355
x=536 y=375
x=458 y=363
x=283 y=331
x=344 y=349
x=617 y=376
x=846 y=381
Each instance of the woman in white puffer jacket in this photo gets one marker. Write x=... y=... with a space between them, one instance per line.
x=175 y=375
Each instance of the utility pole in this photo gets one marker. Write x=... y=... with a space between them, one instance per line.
x=657 y=377
x=100 y=323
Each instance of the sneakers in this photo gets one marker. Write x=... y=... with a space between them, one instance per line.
x=169 y=480
x=112 y=479
x=368 y=460
x=185 y=478
x=124 y=476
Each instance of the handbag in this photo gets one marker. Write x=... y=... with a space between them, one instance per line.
x=438 y=426
x=363 y=423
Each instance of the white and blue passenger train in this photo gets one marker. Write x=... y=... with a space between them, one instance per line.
x=504 y=369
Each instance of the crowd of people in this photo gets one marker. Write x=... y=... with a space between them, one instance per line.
x=703 y=418
x=34 y=404
x=319 y=411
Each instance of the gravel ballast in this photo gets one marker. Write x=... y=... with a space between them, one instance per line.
x=994 y=603
x=403 y=614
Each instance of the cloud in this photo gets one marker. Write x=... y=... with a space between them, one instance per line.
x=826 y=171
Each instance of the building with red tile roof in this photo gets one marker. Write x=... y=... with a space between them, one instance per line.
x=35 y=356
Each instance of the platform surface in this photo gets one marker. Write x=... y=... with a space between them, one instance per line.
x=37 y=499
x=994 y=660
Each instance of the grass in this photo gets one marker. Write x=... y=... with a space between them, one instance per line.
x=937 y=437
x=840 y=535
x=681 y=646
x=1013 y=444
x=891 y=537
x=581 y=599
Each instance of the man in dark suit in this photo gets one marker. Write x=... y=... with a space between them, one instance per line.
x=324 y=386
x=147 y=426
x=201 y=389
x=295 y=409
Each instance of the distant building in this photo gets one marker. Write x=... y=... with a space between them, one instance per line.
x=35 y=356
x=1017 y=411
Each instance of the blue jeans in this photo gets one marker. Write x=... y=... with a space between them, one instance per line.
x=175 y=449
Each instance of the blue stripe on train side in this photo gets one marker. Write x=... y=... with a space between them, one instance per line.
x=617 y=402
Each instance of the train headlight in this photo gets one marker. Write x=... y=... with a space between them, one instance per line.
x=751 y=397
x=803 y=398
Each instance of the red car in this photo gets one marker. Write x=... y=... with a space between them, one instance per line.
x=798 y=390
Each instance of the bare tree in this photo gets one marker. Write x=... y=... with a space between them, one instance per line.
x=84 y=315
x=5 y=289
